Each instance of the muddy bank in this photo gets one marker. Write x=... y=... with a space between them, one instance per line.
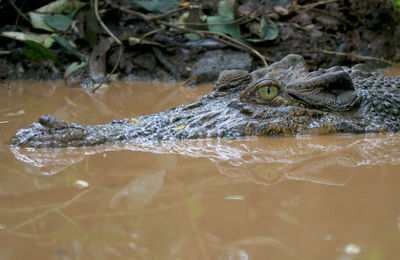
x=366 y=28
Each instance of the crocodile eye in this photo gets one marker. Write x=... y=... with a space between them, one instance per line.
x=267 y=92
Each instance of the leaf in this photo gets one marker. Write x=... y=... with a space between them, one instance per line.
x=231 y=29
x=135 y=121
x=234 y=197
x=58 y=22
x=228 y=138
x=189 y=17
x=73 y=67
x=81 y=184
x=37 y=52
x=269 y=30
x=192 y=36
x=227 y=8
x=91 y=27
x=44 y=39
x=139 y=192
x=61 y=6
x=179 y=127
x=37 y=21
x=158 y=6
x=66 y=45
x=226 y=11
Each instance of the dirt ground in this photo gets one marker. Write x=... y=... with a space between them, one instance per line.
x=363 y=28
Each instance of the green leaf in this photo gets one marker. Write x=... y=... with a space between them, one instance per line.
x=227 y=8
x=269 y=30
x=189 y=17
x=192 y=36
x=231 y=29
x=66 y=45
x=58 y=22
x=37 y=52
x=158 y=6
x=226 y=11
x=44 y=39
x=396 y=3
x=91 y=28
x=61 y=6
x=73 y=67
x=37 y=21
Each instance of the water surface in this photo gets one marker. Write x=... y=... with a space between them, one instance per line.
x=325 y=197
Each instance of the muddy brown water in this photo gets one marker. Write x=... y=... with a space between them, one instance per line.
x=312 y=197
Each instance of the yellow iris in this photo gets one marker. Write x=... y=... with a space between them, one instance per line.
x=267 y=92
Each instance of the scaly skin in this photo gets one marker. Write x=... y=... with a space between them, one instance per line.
x=336 y=100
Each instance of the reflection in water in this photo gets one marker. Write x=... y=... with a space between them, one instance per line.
x=264 y=160
x=170 y=200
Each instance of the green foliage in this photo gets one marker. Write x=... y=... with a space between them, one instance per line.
x=61 y=6
x=268 y=30
x=67 y=45
x=37 y=52
x=44 y=39
x=58 y=22
x=396 y=3
x=55 y=17
x=91 y=28
x=158 y=5
x=37 y=21
x=226 y=14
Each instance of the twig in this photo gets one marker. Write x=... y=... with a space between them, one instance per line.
x=96 y=11
x=149 y=18
x=237 y=21
x=164 y=61
x=19 y=11
x=229 y=40
x=359 y=57
x=173 y=11
x=121 y=48
x=310 y=6
x=150 y=33
x=263 y=59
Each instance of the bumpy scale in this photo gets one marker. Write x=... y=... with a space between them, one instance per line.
x=283 y=99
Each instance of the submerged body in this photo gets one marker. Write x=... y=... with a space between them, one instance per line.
x=283 y=99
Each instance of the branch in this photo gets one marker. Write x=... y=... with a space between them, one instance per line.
x=355 y=56
x=96 y=11
x=202 y=33
x=311 y=6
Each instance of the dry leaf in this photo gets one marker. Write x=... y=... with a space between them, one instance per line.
x=179 y=127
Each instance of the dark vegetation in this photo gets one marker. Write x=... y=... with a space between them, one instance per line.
x=193 y=41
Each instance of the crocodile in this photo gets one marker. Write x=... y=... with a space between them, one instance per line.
x=281 y=99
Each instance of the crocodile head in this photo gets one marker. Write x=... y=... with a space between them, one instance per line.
x=283 y=99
